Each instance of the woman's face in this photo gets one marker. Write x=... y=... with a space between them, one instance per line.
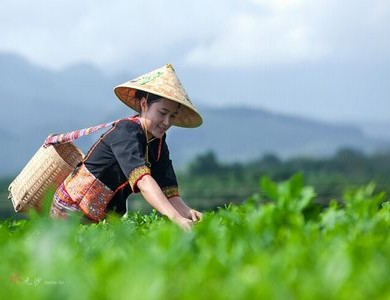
x=159 y=116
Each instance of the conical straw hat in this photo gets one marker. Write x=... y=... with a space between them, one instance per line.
x=162 y=82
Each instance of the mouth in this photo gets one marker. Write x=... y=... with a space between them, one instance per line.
x=162 y=128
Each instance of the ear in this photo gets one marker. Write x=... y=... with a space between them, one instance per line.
x=144 y=104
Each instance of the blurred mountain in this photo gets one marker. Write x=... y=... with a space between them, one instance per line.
x=376 y=129
x=36 y=102
x=236 y=134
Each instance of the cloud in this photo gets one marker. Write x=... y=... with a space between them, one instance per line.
x=220 y=33
x=295 y=31
x=251 y=40
x=105 y=33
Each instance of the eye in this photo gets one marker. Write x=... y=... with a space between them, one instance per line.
x=163 y=113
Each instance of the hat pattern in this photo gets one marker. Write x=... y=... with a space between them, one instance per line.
x=162 y=82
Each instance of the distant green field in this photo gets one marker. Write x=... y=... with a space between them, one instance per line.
x=208 y=183
x=276 y=245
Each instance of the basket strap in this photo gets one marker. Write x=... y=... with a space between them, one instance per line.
x=74 y=135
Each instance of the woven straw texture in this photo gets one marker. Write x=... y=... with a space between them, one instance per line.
x=162 y=82
x=46 y=170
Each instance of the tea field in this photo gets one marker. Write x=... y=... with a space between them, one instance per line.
x=278 y=244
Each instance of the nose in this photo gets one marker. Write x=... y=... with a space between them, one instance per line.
x=167 y=121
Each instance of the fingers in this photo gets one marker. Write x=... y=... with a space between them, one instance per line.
x=199 y=216
x=186 y=225
x=195 y=215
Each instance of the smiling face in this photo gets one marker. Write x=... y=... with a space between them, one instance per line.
x=158 y=116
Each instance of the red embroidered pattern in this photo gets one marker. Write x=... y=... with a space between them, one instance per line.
x=89 y=192
x=171 y=191
x=62 y=204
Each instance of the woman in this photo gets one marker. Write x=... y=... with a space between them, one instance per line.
x=133 y=156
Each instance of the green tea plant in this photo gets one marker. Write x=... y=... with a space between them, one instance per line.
x=279 y=244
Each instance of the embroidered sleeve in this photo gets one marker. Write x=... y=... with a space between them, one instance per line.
x=171 y=191
x=136 y=175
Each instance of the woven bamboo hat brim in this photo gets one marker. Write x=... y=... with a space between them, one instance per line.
x=162 y=82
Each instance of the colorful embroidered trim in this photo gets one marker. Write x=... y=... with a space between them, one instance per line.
x=171 y=191
x=90 y=193
x=136 y=175
x=74 y=135
x=62 y=204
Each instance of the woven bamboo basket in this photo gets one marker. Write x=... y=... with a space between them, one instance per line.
x=45 y=171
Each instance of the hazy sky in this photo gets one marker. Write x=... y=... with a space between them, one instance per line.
x=138 y=35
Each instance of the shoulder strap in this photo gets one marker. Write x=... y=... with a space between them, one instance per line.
x=74 y=135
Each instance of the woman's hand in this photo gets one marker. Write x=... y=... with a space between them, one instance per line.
x=185 y=210
x=189 y=220
x=194 y=215
x=155 y=197
x=184 y=223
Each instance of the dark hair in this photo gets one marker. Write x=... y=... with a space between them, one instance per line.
x=150 y=98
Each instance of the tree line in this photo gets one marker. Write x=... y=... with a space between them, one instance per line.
x=208 y=183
